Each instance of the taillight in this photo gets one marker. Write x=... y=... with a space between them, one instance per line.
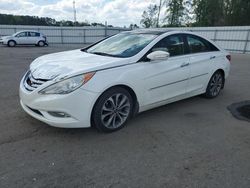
x=228 y=57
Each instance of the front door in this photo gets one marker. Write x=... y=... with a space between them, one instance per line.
x=165 y=79
x=21 y=38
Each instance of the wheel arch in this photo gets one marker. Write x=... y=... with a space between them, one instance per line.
x=11 y=40
x=223 y=74
x=40 y=41
x=131 y=92
x=133 y=95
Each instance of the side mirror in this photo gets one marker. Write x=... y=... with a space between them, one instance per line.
x=158 y=55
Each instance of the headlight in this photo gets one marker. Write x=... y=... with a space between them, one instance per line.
x=67 y=85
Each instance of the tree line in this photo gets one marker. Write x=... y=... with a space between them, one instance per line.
x=187 y=13
x=8 y=19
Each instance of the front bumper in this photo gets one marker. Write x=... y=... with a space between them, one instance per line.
x=78 y=105
x=3 y=41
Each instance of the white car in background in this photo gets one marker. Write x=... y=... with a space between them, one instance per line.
x=108 y=82
x=25 y=38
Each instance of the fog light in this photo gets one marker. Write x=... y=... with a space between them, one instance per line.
x=59 y=114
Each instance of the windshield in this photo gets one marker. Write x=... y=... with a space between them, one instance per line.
x=122 y=45
x=16 y=33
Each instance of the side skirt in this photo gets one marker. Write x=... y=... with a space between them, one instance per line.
x=170 y=100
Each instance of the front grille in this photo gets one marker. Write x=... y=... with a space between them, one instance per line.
x=31 y=83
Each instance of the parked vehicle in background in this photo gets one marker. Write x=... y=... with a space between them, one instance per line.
x=108 y=82
x=25 y=38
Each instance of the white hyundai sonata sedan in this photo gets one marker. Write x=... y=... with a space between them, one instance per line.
x=105 y=84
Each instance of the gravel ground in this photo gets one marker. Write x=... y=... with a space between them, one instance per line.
x=193 y=143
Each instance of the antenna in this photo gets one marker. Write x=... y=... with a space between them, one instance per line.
x=74 y=10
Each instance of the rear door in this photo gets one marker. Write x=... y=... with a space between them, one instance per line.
x=33 y=37
x=202 y=55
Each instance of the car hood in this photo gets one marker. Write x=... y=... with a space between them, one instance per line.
x=5 y=37
x=69 y=63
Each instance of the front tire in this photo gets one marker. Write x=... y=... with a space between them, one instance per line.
x=215 y=85
x=112 y=110
x=11 y=43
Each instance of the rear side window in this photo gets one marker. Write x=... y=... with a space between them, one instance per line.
x=172 y=44
x=197 y=45
x=34 y=34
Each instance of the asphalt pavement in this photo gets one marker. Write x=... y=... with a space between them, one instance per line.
x=193 y=143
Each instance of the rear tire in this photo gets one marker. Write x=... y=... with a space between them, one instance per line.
x=215 y=85
x=11 y=43
x=41 y=43
x=112 y=110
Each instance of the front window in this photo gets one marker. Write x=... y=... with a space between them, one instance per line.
x=122 y=45
x=172 y=44
x=23 y=34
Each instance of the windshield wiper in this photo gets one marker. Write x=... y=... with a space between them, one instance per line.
x=103 y=54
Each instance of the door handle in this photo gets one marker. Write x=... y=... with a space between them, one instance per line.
x=212 y=57
x=184 y=64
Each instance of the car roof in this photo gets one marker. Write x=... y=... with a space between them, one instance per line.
x=28 y=31
x=149 y=31
x=162 y=31
x=157 y=31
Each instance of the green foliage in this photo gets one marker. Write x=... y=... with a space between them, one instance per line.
x=149 y=17
x=133 y=26
x=8 y=19
x=222 y=12
x=209 y=13
x=200 y=13
x=175 y=12
x=237 y=12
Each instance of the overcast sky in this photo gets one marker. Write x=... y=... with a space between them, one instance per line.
x=115 y=12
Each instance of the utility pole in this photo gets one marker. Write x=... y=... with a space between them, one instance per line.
x=74 y=11
x=159 y=12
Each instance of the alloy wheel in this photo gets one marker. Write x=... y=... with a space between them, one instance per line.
x=115 y=111
x=216 y=84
